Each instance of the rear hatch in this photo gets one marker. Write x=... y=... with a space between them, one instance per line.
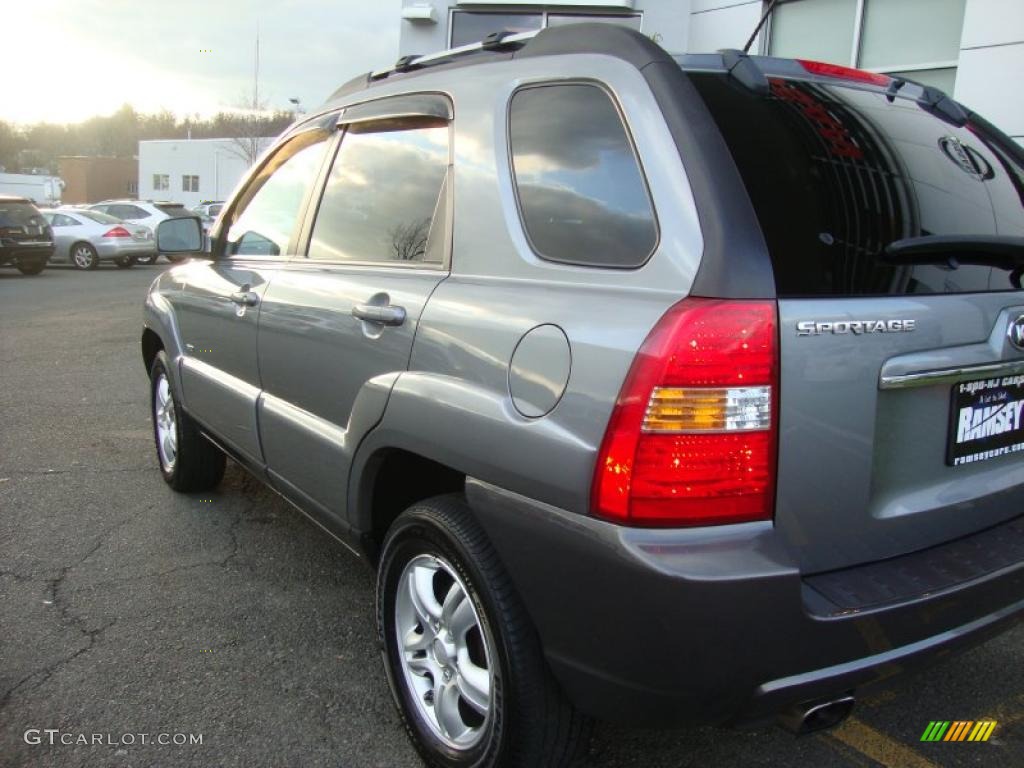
x=21 y=222
x=901 y=408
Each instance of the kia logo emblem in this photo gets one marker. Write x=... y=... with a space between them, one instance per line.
x=967 y=158
x=1016 y=333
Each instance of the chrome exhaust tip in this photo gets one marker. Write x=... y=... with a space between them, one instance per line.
x=816 y=716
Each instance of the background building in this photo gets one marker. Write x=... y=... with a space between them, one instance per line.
x=91 y=179
x=973 y=49
x=192 y=170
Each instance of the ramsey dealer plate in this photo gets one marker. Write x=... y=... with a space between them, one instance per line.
x=987 y=420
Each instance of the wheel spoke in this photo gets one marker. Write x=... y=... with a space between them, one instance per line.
x=452 y=601
x=417 y=641
x=423 y=666
x=446 y=705
x=474 y=684
x=169 y=449
x=421 y=590
x=461 y=620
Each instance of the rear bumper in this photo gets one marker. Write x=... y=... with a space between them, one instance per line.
x=122 y=250
x=715 y=625
x=11 y=253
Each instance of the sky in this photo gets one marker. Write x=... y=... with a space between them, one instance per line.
x=79 y=58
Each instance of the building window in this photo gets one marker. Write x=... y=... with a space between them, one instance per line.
x=131 y=188
x=473 y=26
x=872 y=35
x=189 y=183
x=161 y=182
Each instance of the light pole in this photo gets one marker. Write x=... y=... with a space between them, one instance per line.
x=296 y=108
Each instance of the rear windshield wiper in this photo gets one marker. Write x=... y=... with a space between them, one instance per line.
x=999 y=251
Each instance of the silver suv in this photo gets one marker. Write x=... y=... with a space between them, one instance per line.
x=656 y=389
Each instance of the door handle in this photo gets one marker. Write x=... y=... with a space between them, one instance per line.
x=388 y=314
x=245 y=298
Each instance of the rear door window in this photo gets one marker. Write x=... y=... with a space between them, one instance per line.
x=581 y=192
x=127 y=212
x=384 y=195
x=837 y=173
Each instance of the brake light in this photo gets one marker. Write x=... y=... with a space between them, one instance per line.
x=691 y=440
x=824 y=69
x=117 y=232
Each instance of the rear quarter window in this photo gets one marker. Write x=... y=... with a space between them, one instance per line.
x=581 y=192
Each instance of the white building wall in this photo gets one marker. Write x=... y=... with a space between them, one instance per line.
x=716 y=24
x=991 y=74
x=216 y=162
x=665 y=20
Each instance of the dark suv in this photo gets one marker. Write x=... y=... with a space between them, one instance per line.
x=658 y=389
x=26 y=240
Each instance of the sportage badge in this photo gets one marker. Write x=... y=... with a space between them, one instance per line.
x=856 y=327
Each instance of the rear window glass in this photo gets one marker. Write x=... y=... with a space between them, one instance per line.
x=99 y=217
x=835 y=174
x=20 y=216
x=581 y=193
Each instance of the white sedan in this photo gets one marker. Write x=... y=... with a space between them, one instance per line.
x=84 y=238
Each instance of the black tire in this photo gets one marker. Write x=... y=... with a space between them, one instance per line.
x=31 y=266
x=125 y=262
x=83 y=256
x=198 y=464
x=147 y=260
x=531 y=724
x=177 y=258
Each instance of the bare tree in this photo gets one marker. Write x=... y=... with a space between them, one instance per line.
x=409 y=241
x=248 y=140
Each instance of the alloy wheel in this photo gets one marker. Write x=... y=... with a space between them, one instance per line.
x=83 y=257
x=166 y=423
x=446 y=652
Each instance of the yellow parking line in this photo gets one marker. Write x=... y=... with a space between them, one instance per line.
x=877 y=746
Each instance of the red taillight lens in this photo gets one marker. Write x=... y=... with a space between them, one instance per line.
x=691 y=440
x=824 y=69
x=117 y=232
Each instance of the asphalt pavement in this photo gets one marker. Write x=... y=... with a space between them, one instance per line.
x=129 y=613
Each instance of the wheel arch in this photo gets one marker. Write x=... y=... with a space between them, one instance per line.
x=390 y=480
x=151 y=344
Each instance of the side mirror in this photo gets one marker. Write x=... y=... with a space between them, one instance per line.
x=183 y=235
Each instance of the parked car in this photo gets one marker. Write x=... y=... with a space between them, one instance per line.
x=84 y=238
x=697 y=396
x=26 y=241
x=207 y=212
x=148 y=213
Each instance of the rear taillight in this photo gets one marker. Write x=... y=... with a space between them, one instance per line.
x=692 y=438
x=824 y=69
x=117 y=232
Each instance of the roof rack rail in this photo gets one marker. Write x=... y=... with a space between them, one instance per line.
x=497 y=41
